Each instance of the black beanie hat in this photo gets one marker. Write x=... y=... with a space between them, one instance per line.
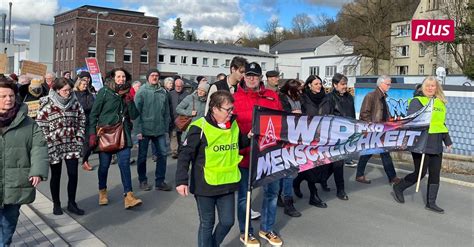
x=199 y=78
x=85 y=74
x=148 y=73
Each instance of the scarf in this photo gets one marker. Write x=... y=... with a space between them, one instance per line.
x=61 y=102
x=316 y=98
x=7 y=118
x=120 y=89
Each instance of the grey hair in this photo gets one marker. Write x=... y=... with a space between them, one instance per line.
x=168 y=79
x=136 y=82
x=51 y=74
x=382 y=78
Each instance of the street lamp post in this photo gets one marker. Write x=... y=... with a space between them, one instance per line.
x=104 y=13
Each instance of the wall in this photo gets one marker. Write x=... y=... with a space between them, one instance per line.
x=322 y=62
x=42 y=44
x=289 y=64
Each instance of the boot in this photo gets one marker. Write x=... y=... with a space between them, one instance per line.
x=398 y=190
x=341 y=193
x=131 y=201
x=316 y=201
x=290 y=209
x=431 y=195
x=57 y=210
x=103 y=197
x=72 y=207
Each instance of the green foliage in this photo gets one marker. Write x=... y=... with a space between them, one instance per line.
x=178 y=33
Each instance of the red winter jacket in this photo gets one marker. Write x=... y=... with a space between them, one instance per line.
x=245 y=100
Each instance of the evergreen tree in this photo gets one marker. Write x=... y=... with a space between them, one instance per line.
x=178 y=33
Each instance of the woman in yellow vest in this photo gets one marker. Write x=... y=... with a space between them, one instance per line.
x=212 y=146
x=437 y=134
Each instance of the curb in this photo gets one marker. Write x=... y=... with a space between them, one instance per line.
x=447 y=180
x=44 y=228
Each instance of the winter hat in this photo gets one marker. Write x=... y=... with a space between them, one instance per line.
x=199 y=78
x=148 y=73
x=204 y=86
x=84 y=74
x=35 y=82
x=14 y=77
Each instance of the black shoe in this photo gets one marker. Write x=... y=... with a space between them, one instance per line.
x=290 y=209
x=163 y=186
x=431 y=195
x=341 y=194
x=57 y=210
x=398 y=190
x=280 y=202
x=72 y=207
x=317 y=202
x=297 y=191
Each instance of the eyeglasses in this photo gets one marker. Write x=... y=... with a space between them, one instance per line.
x=65 y=90
x=228 y=110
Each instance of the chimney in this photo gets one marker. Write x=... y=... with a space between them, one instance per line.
x=4 y=28
x=10 y=23
x=264 y=48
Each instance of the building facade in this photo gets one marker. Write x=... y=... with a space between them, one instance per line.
x=191 y=59
x=42 y=44
x=124 y=38
x=420 y=58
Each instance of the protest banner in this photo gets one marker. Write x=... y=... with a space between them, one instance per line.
x=3 y=63
x=285 y=144
x=93 y=67
x=33 y=69
x=33 y=107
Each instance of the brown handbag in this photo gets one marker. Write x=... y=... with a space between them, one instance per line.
x=111 y=137
x=182 y=122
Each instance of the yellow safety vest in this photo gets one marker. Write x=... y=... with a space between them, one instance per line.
x=221 y=153
x=438 y=116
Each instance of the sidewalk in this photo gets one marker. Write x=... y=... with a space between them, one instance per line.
x=62 y=230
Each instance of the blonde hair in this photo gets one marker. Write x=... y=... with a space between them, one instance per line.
x=439 y=89
x=78 y=83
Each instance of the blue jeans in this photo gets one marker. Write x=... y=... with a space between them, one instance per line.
x=269 y=206
x=386 y=161
x=286 y=186
x=9 y=216
x=242 y=200
x=160 y=171
x=207 y=205
x=123 y=164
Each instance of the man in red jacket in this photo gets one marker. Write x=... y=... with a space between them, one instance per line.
x=251 y=92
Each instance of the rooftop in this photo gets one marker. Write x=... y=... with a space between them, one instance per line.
x=299 y=45
x=110 y=10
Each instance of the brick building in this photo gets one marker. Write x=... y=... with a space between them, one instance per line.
x=127 y=39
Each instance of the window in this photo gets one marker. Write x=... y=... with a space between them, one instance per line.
x=195 y=61
x=145 y=36
x=92 y=31
x=127 y=56
x=227 y=62
x=128 y=35
x=402 y=70
x=349 y=70
x=110 y=55
x=264 y=66
x=62 y=54
x=72 y=31
x=72 y=52
x=111 y=33
x=330 y=71
x=172 y=59
x=91 y=51
x=67 y=54
x=57 y=34
x=422 y=49
x=314 y=70
x=183 y=59
x=144 y=56
x=403 y=51
x=215 y=62
x=57 y=54
x=434 y=69
x=421 y=69
x=403 y=30
x=161 y=58
x=204 y=61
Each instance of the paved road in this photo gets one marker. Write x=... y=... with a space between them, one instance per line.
x=370 y=218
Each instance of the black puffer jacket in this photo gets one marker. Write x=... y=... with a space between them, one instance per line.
x=311 y=102
x=338 y=105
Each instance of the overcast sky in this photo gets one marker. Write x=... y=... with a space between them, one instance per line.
x=210 y=19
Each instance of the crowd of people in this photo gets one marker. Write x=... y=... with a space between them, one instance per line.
x=212 y=149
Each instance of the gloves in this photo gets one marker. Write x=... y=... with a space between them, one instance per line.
x=92 y=140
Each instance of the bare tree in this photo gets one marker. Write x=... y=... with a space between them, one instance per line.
x=301 y=25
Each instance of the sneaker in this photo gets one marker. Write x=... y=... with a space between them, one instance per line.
x=351 y=164
x=252 y=241
x=163 y=186
x=144 y=186
x=271 y=237
x=254 y=214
